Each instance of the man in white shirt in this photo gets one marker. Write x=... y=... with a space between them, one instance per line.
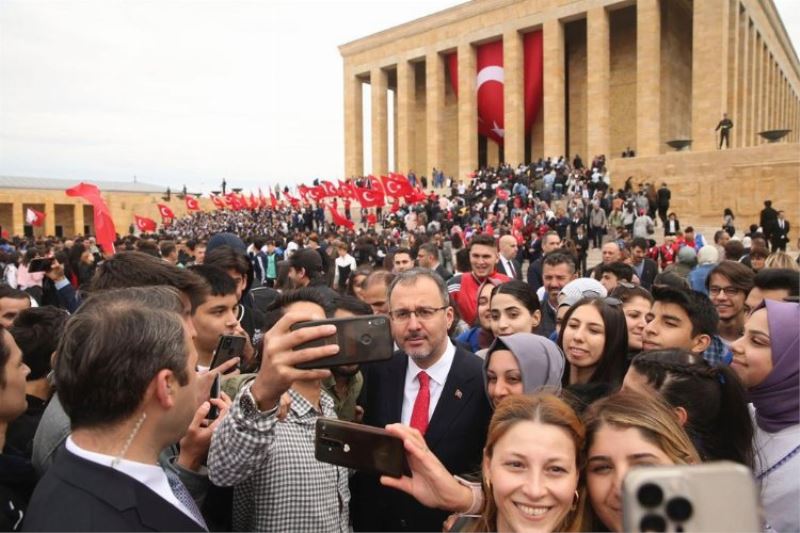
x=126 y=378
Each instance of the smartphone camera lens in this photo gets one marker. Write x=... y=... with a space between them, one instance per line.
x=650 y=495
x=378 y=322
x=366 y=339
x=653 y=522
x=679 y=509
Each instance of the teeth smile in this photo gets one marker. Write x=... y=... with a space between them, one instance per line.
x=532 y=511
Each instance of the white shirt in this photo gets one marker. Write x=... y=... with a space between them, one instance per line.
x=508 y=267
x=438 y=374
x=151 y=476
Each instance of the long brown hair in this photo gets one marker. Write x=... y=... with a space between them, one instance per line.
x=545 y=408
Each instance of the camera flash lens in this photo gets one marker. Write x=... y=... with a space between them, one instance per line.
x=650 y=495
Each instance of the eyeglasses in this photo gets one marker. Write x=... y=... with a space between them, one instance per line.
x=422 y=313
x=729 y=291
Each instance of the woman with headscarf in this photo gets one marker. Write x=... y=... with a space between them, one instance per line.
x=766 y=359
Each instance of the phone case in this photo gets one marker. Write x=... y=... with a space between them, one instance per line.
x=361 y=339
x=229 y=346
x=359 y=447
x=717 y=496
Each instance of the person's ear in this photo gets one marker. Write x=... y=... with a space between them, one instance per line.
x=700 y=343
x=682 y=415
x=165 y=386
x=536 y=318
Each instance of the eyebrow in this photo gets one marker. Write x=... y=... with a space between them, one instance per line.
x=672 y=317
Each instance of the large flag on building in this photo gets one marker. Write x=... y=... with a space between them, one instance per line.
x=104 y=229
x=34 y=217
x=490 y=83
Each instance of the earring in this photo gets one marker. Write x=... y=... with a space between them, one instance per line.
x=576 y=500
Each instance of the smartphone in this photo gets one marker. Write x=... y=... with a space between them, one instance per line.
x=228 y=347
x=360 y=447
x=716 y=496
x=40 y=264
x=361 y=339
x=213 y=413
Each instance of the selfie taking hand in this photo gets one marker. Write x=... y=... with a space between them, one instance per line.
x=430 y=482
x=205 y=379
x=278 y=359
x=194 y=444
x=248 y=353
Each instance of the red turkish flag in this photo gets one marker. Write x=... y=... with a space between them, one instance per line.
x=104 y=228
x=372 y=219
x=396 y=206
x=416 y=196
x=253 y=201
x=339 y=219
x=330 y=189
x=303 y=191
x=191 y=203
x=396 y=185
x=375 y=184
x=34 y=217
x=316 y=193
x=145 y=224
x=368 y=197
x=165 y=211
x=490 y=79
x=273 y=202
x=218 y=202
x=292 y=200
x=346 y=189
x=502 y=194
x=262 y=200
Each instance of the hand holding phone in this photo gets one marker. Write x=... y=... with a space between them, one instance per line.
x=40 y=264
x=279 y=358
x=213 y=412
x=361 y=339
x=359 y=447
x=228 y=347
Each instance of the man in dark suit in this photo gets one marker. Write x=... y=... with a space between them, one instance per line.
x=428 y=257
x=428 y=384
x=645 y=268
x=550 y=243
x=780 y=233
x=126 y=378
x=507 y=261
x=767 y=219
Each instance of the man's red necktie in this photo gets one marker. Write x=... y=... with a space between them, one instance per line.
x=419 y=416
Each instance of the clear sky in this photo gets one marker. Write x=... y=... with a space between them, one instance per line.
x=187 y=92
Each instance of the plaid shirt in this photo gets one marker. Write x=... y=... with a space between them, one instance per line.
x=278 y=484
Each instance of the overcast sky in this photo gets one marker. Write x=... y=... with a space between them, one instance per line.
x=187 y=92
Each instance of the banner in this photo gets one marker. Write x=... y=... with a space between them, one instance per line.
x=165 y=211
x=339 y=219
x=145 y=224
x=104 y=229
x=34 y=217
x=191 y=203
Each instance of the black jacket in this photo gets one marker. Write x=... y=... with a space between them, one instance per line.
x=78 y=495
x=17 y=479
x=456 y=435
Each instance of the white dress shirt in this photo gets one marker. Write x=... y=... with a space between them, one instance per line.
x=509 y=267
x=151 y=476
x=438 y=374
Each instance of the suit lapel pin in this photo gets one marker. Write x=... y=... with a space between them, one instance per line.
x=459 y=394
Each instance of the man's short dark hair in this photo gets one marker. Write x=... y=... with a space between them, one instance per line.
x=621 y=270
x=482 y=239
x=640 y=242
x=7 y=291
x=219 y=282
x=305 y=294
x=696 y=305
x=113 y=347
x=228 y=258
x=734 y=250
x=738 y=274
x=778 y=278
x=135 y=269
x=431 y=249
x=308 y=260
x=148 y=246
x=559 y=258
x=410 y=277
x=406 y=251
x=37 y=331
x=351 y=304
x=167 y=248
x=718 y=235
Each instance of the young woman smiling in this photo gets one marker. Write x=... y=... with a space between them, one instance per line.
x=623 y=431
x=594 y=339
x=530 y=469
x=766 y=359
x=514 y=308
x=636 y=303
x=480 y=335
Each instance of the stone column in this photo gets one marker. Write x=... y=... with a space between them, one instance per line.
x=554 y=90
x=598 y=68
x=648 y=77
x=49 y=217
x=739 y=120
x=513 y=98
x=751 y=103
x=353 y=128
x=434 y=107
x=467 y=111
x=406 y=94
x=79 y=218
x=757 y=110
x=709 y=71
x=380 y=131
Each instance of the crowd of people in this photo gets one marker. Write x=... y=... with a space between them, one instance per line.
x=525 y=382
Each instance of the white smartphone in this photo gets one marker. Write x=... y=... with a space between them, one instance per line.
x=719 y=496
